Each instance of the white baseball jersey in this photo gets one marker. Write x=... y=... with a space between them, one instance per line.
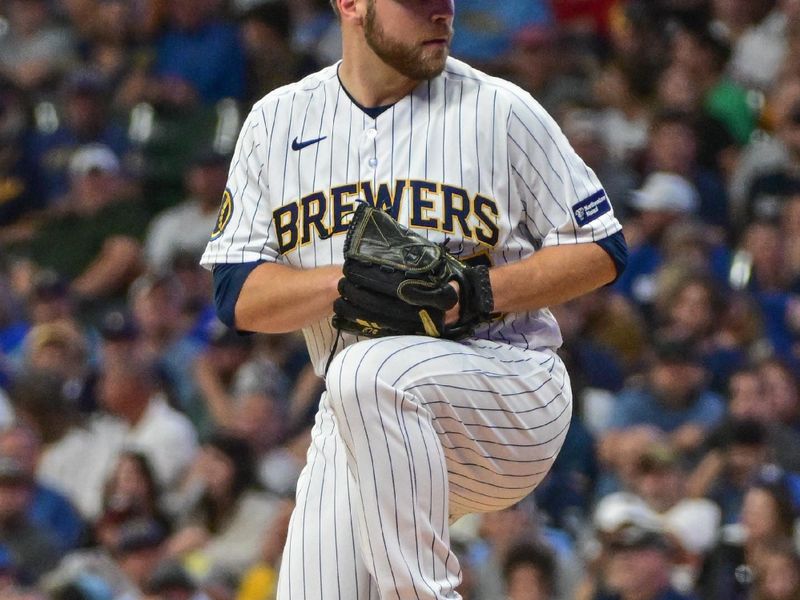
x=412 y=431
x=466 y=157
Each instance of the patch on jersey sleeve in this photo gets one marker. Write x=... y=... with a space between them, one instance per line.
x=224 y=216
x=591 y=208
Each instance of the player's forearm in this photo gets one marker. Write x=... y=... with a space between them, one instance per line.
x=551 y=276
x=277 y=298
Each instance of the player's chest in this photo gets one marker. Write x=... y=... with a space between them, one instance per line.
x=436 y=171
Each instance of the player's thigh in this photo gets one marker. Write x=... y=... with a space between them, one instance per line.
x=500 y=412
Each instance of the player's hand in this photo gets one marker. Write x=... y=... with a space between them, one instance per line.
x=451 y=316
x=397 y=282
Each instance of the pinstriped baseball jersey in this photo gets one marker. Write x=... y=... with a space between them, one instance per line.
x=466 y=159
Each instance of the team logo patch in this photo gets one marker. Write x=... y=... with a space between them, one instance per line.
x=592 y=207
x=224 y=216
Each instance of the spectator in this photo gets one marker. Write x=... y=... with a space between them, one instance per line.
x=139 y=550
x=539 y=62
x=769 y=153
x=500 y=532
x=34 y=548
x=781 y=392
x=673 y=148
x=131 y=492
x=215 y=372
x=769 y=190
x=172 y=581
x=624 y=116
x=484 y=31
x=746 y=400
x=18 y=186
x=84 y=120
x=759 y=41
x=768 y=281
x=677 y=93
x=705 y=53
x=94 y=242
x=767 y=520
x=777 y=575
x=663 y=200
x=272 y=60
x=223 y=517
x=735 y=456
x=33 y=51
x=185 y=228
x=673 y=399
x=636 y=559
x=70 y=461
x=528 y=573
x=48 y=508
x=692 y=309
x=128 y=391
x=198 y=57
x=162 y=332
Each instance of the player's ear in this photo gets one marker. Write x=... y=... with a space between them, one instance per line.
x=351 y=10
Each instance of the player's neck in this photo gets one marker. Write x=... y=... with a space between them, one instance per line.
x=370 y=81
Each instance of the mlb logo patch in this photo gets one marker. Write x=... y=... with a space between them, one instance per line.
x=591 y=208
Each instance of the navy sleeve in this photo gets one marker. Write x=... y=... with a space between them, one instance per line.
x=228 y=282
x=617 y=249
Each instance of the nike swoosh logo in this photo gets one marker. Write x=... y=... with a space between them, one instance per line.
x=300 y=145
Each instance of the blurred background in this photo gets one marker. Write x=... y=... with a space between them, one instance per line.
x=148 y=452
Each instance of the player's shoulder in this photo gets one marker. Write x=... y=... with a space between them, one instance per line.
x=508 y=94
x=306 y=86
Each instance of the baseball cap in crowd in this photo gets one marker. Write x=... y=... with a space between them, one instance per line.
x=657 y=457
x=665 y=192
x=170 y=576
x=694 y=524
x=118 y=326
x=624 y=521
x=675 y=351
x=623 y=509
x=12 y=471
x=92 y=158
x=58 y=334
x=208 y=157
x=140 y=534
x=49 y=285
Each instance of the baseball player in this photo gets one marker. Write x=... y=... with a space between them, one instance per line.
x=413 y=431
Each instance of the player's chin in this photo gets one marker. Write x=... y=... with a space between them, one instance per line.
x=433 y=59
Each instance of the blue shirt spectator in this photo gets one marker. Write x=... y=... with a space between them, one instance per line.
x=644 y=407
x=209 y=58
x=483 y=30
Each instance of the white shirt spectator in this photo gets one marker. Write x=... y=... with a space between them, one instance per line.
x=79 y=464
x=182 y=229
x=166 y=437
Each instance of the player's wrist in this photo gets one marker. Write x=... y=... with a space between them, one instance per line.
x=452 y=315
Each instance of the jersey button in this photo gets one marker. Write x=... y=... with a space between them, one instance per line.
x=373 y=162
x=372 y=133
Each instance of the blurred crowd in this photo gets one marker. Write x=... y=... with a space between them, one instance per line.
x=148 y=452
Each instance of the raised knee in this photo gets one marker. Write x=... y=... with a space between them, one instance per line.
x=361 y=371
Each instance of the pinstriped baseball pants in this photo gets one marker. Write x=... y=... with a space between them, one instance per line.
x=412 y=433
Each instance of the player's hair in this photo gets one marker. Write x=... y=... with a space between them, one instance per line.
x=335 y=7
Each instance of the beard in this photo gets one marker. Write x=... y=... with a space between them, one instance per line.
x=415 y=62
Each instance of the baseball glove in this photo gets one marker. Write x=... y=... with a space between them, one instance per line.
x=397 y=282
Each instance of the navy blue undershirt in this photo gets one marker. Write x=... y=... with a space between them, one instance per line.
x=229 y=278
